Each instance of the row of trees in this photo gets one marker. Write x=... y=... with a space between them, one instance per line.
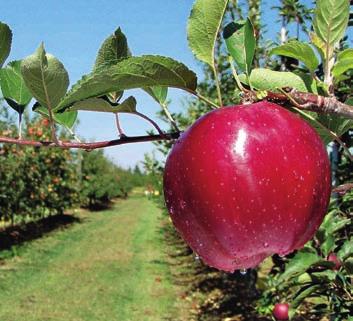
x=37 y=182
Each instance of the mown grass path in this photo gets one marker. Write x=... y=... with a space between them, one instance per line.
x=110 y=267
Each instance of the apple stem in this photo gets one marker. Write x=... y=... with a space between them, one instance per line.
x=169 y=116
x=20 y=126
x=117 y=121
x=154 y=124
x=235 y=75
x=218 y=85
x=203 y=98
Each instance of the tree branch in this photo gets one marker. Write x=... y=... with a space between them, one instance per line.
x=343 y=189
x=93 y=145
x=315 y=103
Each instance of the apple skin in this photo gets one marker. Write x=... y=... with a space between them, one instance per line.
x=245 y=182
x=280 y=311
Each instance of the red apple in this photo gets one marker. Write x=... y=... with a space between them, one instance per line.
x=280 y=311
x=334 y=259
x=245 y=182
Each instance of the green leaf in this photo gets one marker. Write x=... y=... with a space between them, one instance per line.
x=131 y=73
x=5 y=42
x=323 y=264
x=266 y=79
x=346 y=250
x=158 y=93
x=66 y=119
x=46 y=78
x=203 y=27
x=298 y=50
x=348 y=265
x=319 y=45
x=302 y=260
x=310 y=83
x=336 y=124
x=331 y=20
x=328 y=245
x=345 y=54
x=113 y=49
x=344 y=62
x=104 y=105
x=300 y=296
x=241 y=43
x=13 y=87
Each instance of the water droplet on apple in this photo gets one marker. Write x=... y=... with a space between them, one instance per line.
x=265 y=244
x=197 y=258
x=243 y=271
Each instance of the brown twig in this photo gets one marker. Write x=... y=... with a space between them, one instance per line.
x=91 y=145
x=343 y=189
x=312 y=102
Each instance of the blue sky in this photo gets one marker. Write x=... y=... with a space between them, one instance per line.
x=74 y=30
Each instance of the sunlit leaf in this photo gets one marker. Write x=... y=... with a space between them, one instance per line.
x=113 y=49
x=13 y=87
x=203 y=27
x=241 y=43
x=302 y=261
x=131 y=73
x=300 y=51
x=104 y=105
x=45 y=77
x=344 y=62
x=266 y=79
x=346 y=250
x=66 y=119
x=331 y=19
x=5 y=42
x=158 y=93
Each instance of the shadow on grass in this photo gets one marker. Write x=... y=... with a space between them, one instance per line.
x=213 y=295
x=19 y=234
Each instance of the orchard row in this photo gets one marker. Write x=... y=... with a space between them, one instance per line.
x=37 y=182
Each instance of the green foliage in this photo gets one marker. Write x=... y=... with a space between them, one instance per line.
x=331 y=19
x=104 y=105
x=298 y=50
x=13 y=86
x=158 y=93
x=46 y=77
x=203 y=27
x=102 y=180
x=266 y=79
x=36 y=182
x=309 y=277
x=241 y=43
x=130 y=73
x=344 y=62
x=113 y=49
x=66 y=119
x=154 y=173
x=5 y=42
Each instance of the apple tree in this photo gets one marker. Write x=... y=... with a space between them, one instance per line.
x=246 y=181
